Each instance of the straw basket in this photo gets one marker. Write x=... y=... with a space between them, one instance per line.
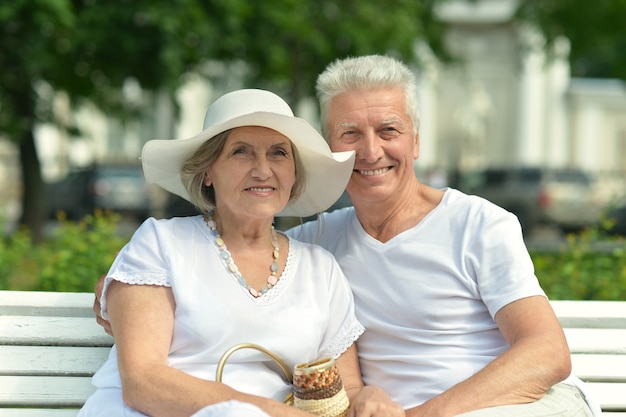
x=317 y=386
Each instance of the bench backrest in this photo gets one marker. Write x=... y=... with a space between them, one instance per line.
x=50 y=346
x=596 y=334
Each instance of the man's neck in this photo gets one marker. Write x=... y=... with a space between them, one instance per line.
x=383 y=220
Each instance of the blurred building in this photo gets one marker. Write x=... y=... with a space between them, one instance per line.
x=504 y=103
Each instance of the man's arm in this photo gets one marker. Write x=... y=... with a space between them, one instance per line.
x=538 y=358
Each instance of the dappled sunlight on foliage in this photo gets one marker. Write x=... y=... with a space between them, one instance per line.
x=71 y=259
x=590 y=266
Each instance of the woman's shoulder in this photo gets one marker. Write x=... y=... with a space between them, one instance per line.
x=171 y=226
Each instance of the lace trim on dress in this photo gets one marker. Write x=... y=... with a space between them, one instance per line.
x=143 y=278
x=343 y=341
x=139 y=278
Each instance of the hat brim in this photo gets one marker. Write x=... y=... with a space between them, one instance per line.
x=327 y=173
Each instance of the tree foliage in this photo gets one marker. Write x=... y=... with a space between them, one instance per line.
x=595 y=31
x=90 y=48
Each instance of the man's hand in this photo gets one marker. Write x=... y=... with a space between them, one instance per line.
x=96 y=306
x=374 y=402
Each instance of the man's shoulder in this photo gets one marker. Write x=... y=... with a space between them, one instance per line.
x=328 y=227
x=460 y=202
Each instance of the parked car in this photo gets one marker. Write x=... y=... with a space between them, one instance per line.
x=117 y=187
x=559 y=197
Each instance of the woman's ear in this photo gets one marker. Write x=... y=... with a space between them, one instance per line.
x=207 y=179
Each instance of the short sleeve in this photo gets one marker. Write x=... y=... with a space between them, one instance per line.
x=503 y=266
x=140 y=262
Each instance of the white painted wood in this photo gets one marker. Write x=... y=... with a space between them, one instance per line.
x=43 y=330
x=600 y=368
x=43 y=303
x=599 y=341
x=38 y=412
x=51 y=360
x=44 y=391
x=50 y=346
x=591 y=314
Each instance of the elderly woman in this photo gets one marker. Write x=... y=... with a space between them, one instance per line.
x=185 y=290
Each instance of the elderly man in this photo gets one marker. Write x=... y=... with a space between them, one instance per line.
x=455 y=319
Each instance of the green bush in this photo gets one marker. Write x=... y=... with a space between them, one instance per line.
x=13 y=252
x=590 y=266
x=71 y=259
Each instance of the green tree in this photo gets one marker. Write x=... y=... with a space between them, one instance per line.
x=90 y=48
x=87 y=49
x=595 y=31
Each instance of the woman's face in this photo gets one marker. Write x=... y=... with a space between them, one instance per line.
x=253 y=174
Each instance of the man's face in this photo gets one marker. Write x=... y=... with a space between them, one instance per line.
x=374 y=123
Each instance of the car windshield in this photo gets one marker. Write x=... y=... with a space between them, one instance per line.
x=574 y=177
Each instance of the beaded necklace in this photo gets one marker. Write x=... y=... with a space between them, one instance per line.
x=272 y=279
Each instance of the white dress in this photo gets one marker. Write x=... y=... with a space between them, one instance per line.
x=308 y=315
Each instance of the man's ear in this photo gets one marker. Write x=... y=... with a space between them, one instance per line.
x=416 y=147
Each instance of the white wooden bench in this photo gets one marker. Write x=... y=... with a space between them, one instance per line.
x=50 y=345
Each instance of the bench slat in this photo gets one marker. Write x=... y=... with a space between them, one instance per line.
x=590 y=314
x=51 y=360
x=600 y=368
x=46 y=303
x=52 y=331
x=42 y=391
x=598 y=341
x=38 y=412
x=610 y=396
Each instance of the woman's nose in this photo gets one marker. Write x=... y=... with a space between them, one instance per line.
x=261 y=168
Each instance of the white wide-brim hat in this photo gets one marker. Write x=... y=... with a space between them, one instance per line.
x=327 y=173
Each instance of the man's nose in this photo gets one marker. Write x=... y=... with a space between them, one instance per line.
x=370 y=148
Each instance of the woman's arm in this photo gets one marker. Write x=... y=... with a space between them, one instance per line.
x=365 y=401
x=142 y=319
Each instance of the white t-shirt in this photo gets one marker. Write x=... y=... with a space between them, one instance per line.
x=428 y=297
x=308 y=315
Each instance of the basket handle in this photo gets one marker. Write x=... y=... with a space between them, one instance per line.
x=283 y=366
